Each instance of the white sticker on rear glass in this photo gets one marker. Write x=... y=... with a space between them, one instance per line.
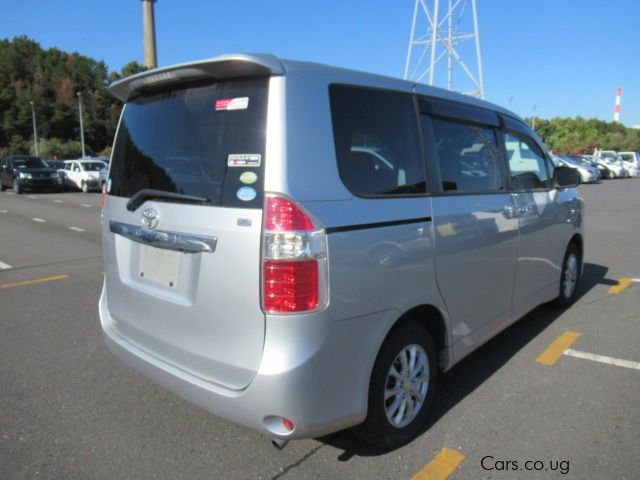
x=244 y=160
x=239 y=103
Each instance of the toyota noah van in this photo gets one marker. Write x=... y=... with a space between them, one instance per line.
x=302 y=249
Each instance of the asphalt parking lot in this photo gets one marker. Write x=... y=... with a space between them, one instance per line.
x=555 y=395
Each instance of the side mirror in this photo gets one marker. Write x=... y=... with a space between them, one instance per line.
x=566 y=177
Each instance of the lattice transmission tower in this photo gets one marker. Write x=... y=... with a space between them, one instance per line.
x=443 y=29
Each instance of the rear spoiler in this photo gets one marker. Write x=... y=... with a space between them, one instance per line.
x=218 y=68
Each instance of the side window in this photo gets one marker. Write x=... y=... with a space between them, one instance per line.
x=468 y=157
x=377 y=142
x=527 y=164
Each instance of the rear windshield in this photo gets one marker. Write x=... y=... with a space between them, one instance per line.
x=203 y=140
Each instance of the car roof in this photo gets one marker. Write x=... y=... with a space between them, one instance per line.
x=239 y=65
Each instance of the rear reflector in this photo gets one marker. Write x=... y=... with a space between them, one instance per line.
x=288 y=424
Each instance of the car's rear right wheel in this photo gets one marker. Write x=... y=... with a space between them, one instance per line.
x=401 y=389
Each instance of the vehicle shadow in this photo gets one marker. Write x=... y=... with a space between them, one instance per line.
x=470 y=373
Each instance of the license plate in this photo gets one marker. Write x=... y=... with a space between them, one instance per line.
x=158 y=265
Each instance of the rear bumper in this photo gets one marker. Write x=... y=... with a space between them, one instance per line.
x=314 y=371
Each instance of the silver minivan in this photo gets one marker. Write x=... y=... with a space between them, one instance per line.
x=301 y=249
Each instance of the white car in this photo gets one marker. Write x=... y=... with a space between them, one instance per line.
x=83 y=174
x=611 y=160
x=588 y=174
x=631 y=162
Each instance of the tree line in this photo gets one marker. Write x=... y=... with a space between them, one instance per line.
x=53 y=79
x=48 y=83
x=578 y=135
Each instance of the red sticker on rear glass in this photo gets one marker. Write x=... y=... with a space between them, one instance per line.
x=239 y=103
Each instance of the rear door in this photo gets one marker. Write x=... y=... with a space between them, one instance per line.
x=182 y=227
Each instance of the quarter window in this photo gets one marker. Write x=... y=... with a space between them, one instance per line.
x=527 y=163
x=377 y=142
x=468 y=157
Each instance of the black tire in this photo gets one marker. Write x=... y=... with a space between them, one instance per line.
x=2 y=187
x=16 y=187
x=378 y=429
x=569 y=276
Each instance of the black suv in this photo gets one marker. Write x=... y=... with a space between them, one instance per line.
x=23 y=172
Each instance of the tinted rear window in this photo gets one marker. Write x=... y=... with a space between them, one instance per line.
x=204 y=140
x=377 y=141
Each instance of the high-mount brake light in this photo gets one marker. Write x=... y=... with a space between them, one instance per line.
x=294 y=259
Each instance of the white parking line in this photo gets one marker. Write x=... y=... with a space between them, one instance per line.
x=602 y=359
x=58 y=201
x=4 y=266
x=39 y=220
x=4 y=211
x=33 y=197
x=637 y=280
x=86 y=205
x=77 y=229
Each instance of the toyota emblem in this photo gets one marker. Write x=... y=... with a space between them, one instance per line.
x=150 y=218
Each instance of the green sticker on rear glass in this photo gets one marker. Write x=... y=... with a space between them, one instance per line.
x=248 y=178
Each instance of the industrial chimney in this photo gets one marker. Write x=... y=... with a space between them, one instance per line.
x=616 y=110
x=150 y=56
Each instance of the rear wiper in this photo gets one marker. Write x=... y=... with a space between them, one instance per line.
x=150 y=194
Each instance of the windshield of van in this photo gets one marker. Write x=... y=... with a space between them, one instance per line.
x=205 y=140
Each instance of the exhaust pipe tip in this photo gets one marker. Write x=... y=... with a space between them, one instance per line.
x=279 y=443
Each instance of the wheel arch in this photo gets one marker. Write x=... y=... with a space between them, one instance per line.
x=431 y=319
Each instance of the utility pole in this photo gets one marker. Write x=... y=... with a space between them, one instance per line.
x=436 y=33
x=79 y=94
x=35 y=130
x=150 y=55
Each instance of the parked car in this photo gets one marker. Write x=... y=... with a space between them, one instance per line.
x=601 y=166
x=24 y=172
x=83 y=174
x=588 y=173
x=613 y=162
x=631 y=162
x=240 y=185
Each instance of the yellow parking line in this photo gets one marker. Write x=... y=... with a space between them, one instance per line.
x=557 y=348
x=34 y=281
x=623 y=283
x=442 y=465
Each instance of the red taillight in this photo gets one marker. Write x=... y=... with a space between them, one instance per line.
x=290 y=286
x=282 y=215
x=294 y=275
